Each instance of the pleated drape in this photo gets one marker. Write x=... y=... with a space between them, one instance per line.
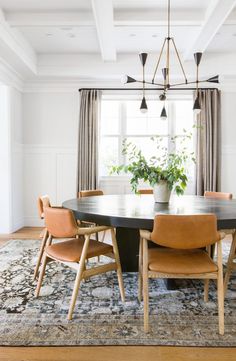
x=87 y=177
x=208 y=142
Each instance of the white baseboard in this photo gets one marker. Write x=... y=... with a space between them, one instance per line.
x=18 y=225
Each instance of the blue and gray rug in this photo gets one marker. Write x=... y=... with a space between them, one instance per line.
x=178 y=317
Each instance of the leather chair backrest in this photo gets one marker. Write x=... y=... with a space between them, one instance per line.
x=218 y=195
x=145 y=191
x=185 y=232
x=60 y=222
x=43 y=202
x=89 y=193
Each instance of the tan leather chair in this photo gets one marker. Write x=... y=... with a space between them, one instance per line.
x=74 y=252
x=218 y=195
x=90 y=193
x=183 y=238
x=231 y=266
x=145 y=191
x=43 y=202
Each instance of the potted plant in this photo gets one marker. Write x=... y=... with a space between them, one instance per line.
x=165 y=171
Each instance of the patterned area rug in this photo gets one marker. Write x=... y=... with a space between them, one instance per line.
x=178 y=317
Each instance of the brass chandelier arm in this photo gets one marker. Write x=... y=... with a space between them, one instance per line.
x=189 y=82
x=149 y=83
x=180 y=62
x=158 y=62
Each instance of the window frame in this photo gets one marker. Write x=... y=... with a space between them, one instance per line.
x=171 y=111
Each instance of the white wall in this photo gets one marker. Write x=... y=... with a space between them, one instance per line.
x=17 y=196
x=228 y=140
x=11 y=156
x=50 y=132
x=5 y=162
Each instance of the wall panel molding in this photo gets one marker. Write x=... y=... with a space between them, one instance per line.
x=48 y=169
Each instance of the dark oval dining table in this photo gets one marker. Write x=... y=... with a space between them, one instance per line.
x=129 y=213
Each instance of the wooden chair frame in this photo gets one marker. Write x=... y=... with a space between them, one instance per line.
x=42 y=202
x=145 y=274
x=231 y=265
x=92 y=193
x=80 y=267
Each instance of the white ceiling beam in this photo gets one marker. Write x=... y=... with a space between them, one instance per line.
x=154 y=17
x=216 y=14
x=136 y=17
x=103 y=15
x=231 y=20
x=15 y=49
x=36 y=19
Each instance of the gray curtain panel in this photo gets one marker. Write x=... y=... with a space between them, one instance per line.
x=208 y=142
x=88 y=139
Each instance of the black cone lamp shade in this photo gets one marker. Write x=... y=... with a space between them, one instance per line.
x=197 y=57
x=196 y=106
x=214 y=79
x=165 y=72
x=143 y=58
x=143 y=106
x=163 y=113
x=129 y=79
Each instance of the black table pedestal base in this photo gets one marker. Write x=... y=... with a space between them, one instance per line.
x=128 y=245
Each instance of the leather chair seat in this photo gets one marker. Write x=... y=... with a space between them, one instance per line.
x=70 y=251
x=167 y=260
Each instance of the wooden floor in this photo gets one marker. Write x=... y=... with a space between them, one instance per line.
x=107 y=353
x=116 y=353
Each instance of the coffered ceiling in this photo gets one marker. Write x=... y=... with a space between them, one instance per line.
x=33 y=31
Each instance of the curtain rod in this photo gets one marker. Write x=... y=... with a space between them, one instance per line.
x=145 y=89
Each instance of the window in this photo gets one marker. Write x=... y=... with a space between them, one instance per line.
x=121 y=118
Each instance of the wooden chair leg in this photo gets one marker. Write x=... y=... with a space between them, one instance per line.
x=140 y=276
x=43 y=266
x=230 y=262
x=43 y=243
x=206 y=290
x=145 y=286
x=103 y=237
x=119 y=270
x=79 y=277
x=220 y=289
x=41 y=275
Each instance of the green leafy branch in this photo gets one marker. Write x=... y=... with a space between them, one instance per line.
x=169 y=167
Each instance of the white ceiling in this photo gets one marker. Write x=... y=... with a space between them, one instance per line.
x=27 y=5
x=175 y=4
x=110 y=29
x=137 y=25
x=64 y=39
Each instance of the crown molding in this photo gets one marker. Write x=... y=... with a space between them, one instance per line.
x=9 y=76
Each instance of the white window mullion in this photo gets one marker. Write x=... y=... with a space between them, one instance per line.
x=122 y=123
x=171 y=126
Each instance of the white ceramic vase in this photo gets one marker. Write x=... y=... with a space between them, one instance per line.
x=161 y=192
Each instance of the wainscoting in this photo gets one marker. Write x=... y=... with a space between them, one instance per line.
x=52 y=170
x=47 y=170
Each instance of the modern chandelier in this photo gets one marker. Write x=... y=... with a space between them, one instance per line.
x=169 y=43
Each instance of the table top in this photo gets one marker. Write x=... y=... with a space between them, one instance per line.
x=138 y=211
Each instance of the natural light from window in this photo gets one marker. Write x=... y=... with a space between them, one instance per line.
x=122 y=119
